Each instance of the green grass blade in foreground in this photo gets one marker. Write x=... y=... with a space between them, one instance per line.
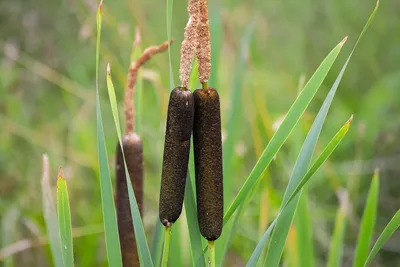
x=337 y=241
x=193 y=225
x=157 y=243
x=64 y=221
x=107 y=199
x=304 y=238
x=169 y=10
x=367 y=223
x=390 y=228
x=50 y=215
x=286 y=127
x=321 y=159
x=279 y=235
x=141 y=241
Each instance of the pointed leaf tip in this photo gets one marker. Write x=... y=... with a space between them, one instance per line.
x=60 y=173
x=343 y=41
x=108 y=69
x=101 y=6
x=376 y=172
x=350 y=119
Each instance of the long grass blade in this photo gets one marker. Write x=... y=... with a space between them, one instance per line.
x=141 y=241
x=280 y=136
x=279 y=235
x=367 y=223
x=321 y=159
x=390 y=228
x=193 y=225
x=337 y=242
x=304 y=239
x=107 y=199
x=64 y=221
x=50 y=215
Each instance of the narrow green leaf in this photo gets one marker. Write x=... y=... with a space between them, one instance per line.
x=64 y=221
x=304 y=246
x=390 y=228
x=50 y=215
x=290 y=121
x=141 y=241
x=279 y=235
x=322 y=158
x=337 y=241
x=107 y=199
x=157 y=242
x=193 y=225
x=284 y=211
x=367 y=223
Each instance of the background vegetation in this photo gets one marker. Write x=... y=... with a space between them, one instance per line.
x=47 y=77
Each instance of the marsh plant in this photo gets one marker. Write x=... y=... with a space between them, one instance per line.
x=193 y=128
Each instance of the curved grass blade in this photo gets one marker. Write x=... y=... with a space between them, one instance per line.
x=50 y=215
x=279 y=236
x=304 y=240
x=367 y=223
x=141 y=241
x=290 y=121
x=193 y=225
x=337 y=245
x=390 y=228
x=107 y=198
x=64 y=221
x=321 y=159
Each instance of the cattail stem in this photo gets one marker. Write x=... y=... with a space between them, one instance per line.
x=129 y=106
x=211 y=254
x=167 y=240
x=204 y=85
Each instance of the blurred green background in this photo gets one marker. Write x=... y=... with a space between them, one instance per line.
x=47 y=78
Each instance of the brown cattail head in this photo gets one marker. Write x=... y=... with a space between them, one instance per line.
x=207 y=144
x=176 y=154
x=132 y=146
x=189 y=43
x=132 y=77
x=203 y=50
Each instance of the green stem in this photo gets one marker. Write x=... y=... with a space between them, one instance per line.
x=166 y=246
x=211 y=254
x=205 y=85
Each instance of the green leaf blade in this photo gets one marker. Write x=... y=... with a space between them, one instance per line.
x=141 y=240
x=107 y=200
x=390 y=228
x=367 y=223
x=280 y=136
x=50 y=215
x=64 y=221
x=337 y=241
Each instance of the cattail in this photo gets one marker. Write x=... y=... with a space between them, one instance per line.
x=133 y=151
x=176 y=154
x=208 y=162
x=179 y=128
x=132 y=146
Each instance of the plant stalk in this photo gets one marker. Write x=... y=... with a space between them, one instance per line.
x=167 y=240
x=211 y=254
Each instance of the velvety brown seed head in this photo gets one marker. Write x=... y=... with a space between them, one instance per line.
x=208 y=162
x=176 y=154
x=134 y=160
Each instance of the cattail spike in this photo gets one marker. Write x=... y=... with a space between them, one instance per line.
x=189 y=43
x=203 y=50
